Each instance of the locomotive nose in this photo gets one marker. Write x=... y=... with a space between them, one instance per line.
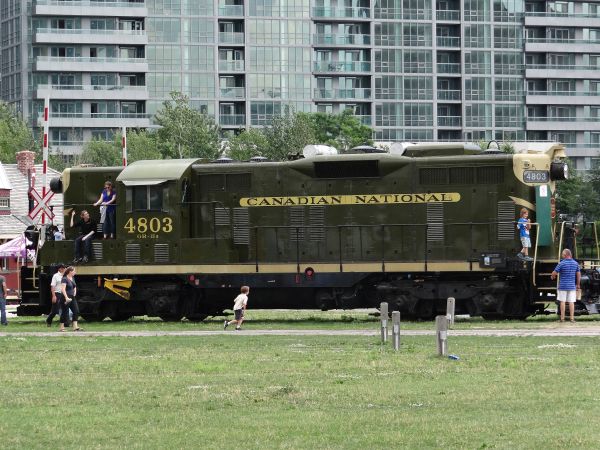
x=559 y=171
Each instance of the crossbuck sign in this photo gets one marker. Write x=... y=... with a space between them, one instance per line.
x=42 y=204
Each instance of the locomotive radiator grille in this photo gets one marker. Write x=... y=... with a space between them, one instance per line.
x=296 y=220
x=506 y=217
x=161 y=253
x=132 y=253
x=316 y=218
x=241 y=226
x=97 y=251
x=435 y=222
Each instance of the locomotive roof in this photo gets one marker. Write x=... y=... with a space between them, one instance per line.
x=154 y=171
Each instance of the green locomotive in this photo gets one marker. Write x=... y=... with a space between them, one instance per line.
x=429 y=221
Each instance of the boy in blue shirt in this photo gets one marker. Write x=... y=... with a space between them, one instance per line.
x=523 y=225
x=570 y=281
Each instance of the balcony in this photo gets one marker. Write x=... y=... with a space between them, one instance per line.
x=234 y=37
x=99 y=120
x=388 y=94
x=448 y=95
x=88 y=92
x=87 y=64
x=342 y=13
x=233 y=92
x=89 y=8
x=66 y=147
x=448 y=68
x=449 y=121
x=557 y=19
x=231 y=66
x=448 y=41
x=447 y=15
x=231 y=10
x=562 y=71
x=341 y=39
x=573 y=123
x=559 y=45
x=89 y=36
x=232 y=120
x=562 y=98
x=344 y=67
x=342 y=94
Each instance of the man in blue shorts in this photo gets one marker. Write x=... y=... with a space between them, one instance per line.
x=569 y=282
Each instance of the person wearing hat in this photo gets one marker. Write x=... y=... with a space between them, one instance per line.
x=55 y=288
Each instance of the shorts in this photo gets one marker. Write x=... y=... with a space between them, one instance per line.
x=566 y=296
x=525 y=242
x=239 y=314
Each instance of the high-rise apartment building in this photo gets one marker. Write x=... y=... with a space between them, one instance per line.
x=412 y=69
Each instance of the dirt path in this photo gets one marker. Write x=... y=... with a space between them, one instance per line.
x=556 y=331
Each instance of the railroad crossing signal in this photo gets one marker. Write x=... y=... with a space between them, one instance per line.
x=42 y=204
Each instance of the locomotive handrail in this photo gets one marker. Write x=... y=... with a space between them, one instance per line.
x=596 y=239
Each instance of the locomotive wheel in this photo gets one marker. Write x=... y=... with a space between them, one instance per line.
x=493 y=316
x=197 y=317
x=166 y=318
x=92 y=317
x=120 y=317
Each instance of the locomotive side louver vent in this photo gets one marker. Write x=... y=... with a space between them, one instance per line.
x=433 y=176
x=132 y=253
x=435 y=222
x=222 y=217
x=97 y=251
x=238 y=182
x=241 y=226
x=212 y=183
x=506 y=217
x=490 y=175
x=161 y=253
x=462 y=175
x=297 y=222
x=316 y=218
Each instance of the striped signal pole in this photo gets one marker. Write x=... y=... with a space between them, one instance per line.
x=124 y=145
x=45 y=149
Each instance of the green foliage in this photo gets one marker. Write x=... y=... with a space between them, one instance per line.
x=14 y=135
x=342 y=131
x=141 y=144
x=577 y=196
x=101 y=154
x=186 y=132
x=287 y=134
x=248 y=143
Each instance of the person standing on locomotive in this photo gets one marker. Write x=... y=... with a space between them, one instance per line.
x=523 y=225
x=107 y=200
x=56 y=290
x=83 y=242
x=570 y=282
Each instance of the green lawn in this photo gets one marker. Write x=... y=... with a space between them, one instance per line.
x=290 y=319
x=240 y=391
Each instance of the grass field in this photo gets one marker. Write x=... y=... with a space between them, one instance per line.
x=240 y=391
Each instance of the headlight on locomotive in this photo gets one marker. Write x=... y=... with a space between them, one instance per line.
x=559 y=171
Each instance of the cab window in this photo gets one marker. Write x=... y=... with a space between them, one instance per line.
x=147 y=198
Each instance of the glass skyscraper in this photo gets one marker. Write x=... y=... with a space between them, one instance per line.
x=413 y=70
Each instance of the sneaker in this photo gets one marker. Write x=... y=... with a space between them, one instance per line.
x=238 y=329
x=84 y=259
x=76 y=260
x=48 y=324
x=520 y=255
x=528 y=258
x=225 y=325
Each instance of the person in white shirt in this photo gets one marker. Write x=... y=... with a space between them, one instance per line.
x=239 y=307
x=55 y=288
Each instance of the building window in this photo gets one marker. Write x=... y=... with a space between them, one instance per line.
x=4 y=203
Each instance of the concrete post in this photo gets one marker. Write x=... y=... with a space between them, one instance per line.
x=441 y=328
x=396 y=329
x=383 y=315
x=450 y=310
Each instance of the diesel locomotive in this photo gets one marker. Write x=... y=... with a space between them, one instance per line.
x=411 y=227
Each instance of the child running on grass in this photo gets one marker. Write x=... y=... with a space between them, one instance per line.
x=239 y=307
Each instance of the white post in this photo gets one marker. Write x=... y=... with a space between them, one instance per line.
x=124 y=145
x=450 y=310
x=383 y=315
x=396 y=329
x=441 y=328
x=45 y=149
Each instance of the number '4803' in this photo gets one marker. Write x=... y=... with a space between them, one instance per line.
x=152 y=224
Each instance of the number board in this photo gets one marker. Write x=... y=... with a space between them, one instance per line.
x=148 y=227
x=536 y=176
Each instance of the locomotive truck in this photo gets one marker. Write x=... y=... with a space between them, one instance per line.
x=411 y=227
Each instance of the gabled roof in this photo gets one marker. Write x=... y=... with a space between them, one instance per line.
x=10 y=225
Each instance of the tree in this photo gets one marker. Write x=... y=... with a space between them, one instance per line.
x=287 y=134
x=15 y=135
x=342 y=131
x=141 y=144
x=248 y=143
x=576 y=196
x=101 y=153
x=186 y=132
